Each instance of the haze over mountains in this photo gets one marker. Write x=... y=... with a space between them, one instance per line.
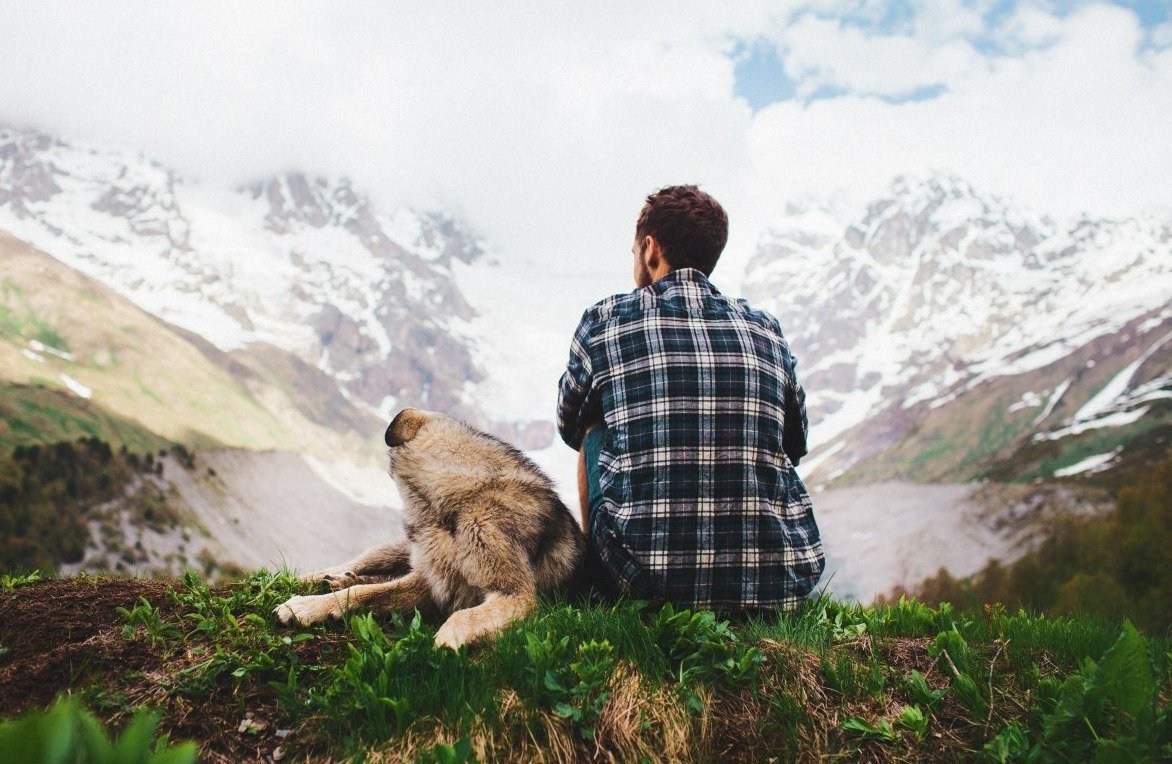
x=943 y=336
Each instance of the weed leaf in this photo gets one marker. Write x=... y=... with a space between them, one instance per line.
x=1126 y=672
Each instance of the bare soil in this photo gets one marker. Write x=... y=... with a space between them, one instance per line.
x=65 y=636
x=57 y=631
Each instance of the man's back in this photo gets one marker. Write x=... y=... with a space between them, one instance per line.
x=699 y=500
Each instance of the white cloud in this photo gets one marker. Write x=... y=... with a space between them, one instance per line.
x=1075 y=126
x=821 y=52
x=1162 y=35
x=546 y=123
x=944 y=20
x=1031 y=27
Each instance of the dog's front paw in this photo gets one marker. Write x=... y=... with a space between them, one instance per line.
x=448 y=637
x=457 y=631
x=309 y=610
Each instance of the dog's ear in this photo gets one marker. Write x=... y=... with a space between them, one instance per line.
x=404 y=427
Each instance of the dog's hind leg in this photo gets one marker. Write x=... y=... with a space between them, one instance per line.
x=496 y=566
x=402 y=595
x=381 y=563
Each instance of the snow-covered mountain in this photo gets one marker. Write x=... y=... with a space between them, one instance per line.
x=306 y=265
x=943 y=331
x=943 y=335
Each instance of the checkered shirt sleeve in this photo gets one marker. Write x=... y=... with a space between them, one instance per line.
x=701 y=504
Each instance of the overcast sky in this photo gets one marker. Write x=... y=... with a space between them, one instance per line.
x=545 y=123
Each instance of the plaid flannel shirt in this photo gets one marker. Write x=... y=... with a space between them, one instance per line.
x=701 y=504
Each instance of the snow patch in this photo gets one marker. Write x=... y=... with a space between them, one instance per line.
x=1112 y=391
x=76 y=387
x=1096 y=463
x=1054 y=398
x=819 y=457
x=1118 y=419
x=40 y=347
x=1028 y=400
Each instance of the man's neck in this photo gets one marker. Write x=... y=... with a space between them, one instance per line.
x=662 y=271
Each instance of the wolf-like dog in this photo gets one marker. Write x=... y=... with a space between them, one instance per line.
x=485 y=534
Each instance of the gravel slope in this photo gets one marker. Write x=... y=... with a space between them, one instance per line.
x=272 y=509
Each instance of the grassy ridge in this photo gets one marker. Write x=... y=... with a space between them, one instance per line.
x=622 y=682
x=142 y=373
x=35 y=415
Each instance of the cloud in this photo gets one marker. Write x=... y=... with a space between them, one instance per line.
x=820 y=52
x=1162 y=35
x=1074 y=125
x=546 y=123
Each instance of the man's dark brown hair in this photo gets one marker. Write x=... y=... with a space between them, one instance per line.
x=690 y=226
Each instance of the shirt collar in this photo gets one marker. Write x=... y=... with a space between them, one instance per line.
x=687 y=282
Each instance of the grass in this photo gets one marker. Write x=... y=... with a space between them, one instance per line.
x=44 y=414
x=624 y=682
x=19 y=320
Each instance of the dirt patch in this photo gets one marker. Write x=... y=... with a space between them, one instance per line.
x=67 y=637
x=58 y=630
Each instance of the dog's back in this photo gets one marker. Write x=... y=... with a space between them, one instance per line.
x=453 y=476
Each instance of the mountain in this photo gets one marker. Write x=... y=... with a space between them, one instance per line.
x=272 y=327
x=945 y=335
x=273 y=456
x=60 y=329
x=306 y=265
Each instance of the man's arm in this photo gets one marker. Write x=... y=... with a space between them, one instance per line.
x=578 y=404
x=793 y=438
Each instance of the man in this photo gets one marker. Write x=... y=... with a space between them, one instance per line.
x=689 y=420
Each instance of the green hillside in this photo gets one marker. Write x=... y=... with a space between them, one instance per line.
x=622 y=682
x=1113 y=566
x=33 y=414
x=76 y=359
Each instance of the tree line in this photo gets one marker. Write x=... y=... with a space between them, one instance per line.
x=47 y=493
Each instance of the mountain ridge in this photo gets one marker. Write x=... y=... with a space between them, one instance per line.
x=935 y=292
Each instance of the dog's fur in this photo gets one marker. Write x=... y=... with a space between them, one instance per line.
x=485 y=534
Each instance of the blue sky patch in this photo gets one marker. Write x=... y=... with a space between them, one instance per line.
x=1150 y=12
x=760 y=78
x=922 y=93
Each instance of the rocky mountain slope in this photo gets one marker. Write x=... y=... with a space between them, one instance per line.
x=273 y=327
x=277 y=475
x=948 y=336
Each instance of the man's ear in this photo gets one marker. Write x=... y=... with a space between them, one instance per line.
x=652 y=254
